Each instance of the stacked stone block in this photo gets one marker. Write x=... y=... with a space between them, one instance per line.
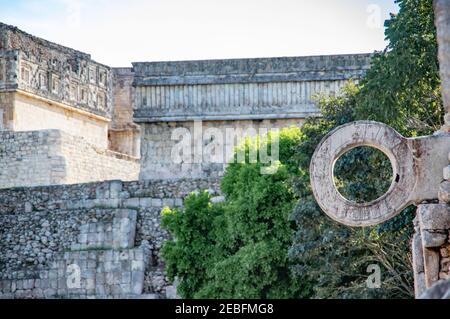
x=96 y=267
x=51 y=157
x=109 y=232
x=431 y=242
x=118 y=234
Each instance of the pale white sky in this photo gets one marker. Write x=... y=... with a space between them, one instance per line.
x=117 y=32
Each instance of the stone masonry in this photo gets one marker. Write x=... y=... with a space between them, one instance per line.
x=50 y=157
x=432 y=237
x=235 y=94
x=98 y=240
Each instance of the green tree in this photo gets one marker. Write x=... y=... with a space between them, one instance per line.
x=239 y=248
x=333 y=258
x=400 y=89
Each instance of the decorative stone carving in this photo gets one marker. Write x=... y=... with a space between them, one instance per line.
x=53 y=72
x=417 y=171
x=240 y=89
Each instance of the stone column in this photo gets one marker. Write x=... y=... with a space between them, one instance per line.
x=442 y=22
x=434 y=219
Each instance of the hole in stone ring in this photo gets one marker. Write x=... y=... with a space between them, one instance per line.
x=363 y=174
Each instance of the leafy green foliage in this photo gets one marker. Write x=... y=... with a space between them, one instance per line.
x=333 y=258
x=402 y=90
x=402 y=86
x=239 y=248
x=363 y=174
x=190 y=255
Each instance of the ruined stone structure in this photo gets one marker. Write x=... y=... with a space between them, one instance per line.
x=235 y=94
x=46 y=87
x=109 y=233
x=66 y=119
x=421 y=175
x=431 y=244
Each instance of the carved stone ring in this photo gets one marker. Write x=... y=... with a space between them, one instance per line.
x=416 y=169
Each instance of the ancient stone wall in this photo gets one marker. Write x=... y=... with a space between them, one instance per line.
x=211 y=146
x=31 y=158
x=27 y=109
x=431 y=240
x=241 y=88
x=56 y=72
x=8 y=69
x=259 y=93
x=6 y=111
x=49 y=157
x=67 y=90
x=110 y=231
x=124 y=134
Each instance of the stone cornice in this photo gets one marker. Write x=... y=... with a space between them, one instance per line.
x=309 y=68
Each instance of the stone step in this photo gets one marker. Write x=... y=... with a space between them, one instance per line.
x=118 y=234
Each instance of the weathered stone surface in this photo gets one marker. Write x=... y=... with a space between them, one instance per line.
x=50 y=157
x=56 y=72
x=431 y=266
x=417 y=171
x=418 y=267
x=434 y=216
x=440 y=290
x=444 y=192
x=447 y=172
x=242 y=89
x=124 y=135
x=433 y=239
x=442 y=22
x=66 y=225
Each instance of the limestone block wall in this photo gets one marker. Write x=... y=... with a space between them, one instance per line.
x=124 y=134
x=31 y=158
x=88 y=163
x=32 y=114
x=159 y=144
x=6 y=111
x=111 y=230
x=49 y=157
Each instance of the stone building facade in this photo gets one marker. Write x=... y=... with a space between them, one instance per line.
x=45 y=87
x=76 y=220
x=431 y=243
x=227 y=94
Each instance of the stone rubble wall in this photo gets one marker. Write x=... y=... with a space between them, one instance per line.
x=50 y=157
x=111 y=230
